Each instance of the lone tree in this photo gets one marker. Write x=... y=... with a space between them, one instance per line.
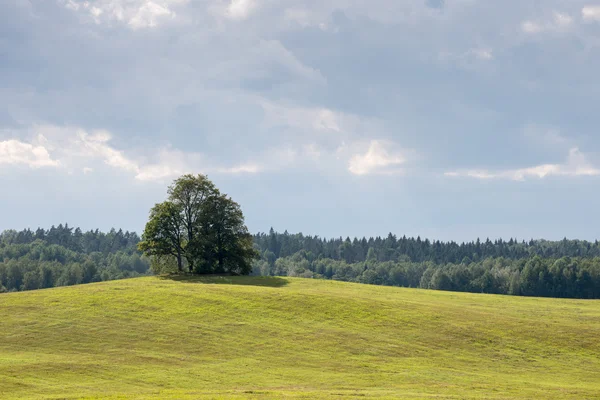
x=200 y=228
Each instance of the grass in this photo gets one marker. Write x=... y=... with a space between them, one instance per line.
x=277 y=338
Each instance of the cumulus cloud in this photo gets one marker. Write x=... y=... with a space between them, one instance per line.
x=575 y=165
x=329 y=140
x=15 y=152
x=591 y=13
x=75 y=149
x=377 y=159
x=289 y=83
x=97 y=145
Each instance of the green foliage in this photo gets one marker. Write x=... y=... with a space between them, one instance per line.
x=63 y=256
x=163 y=235
x=66 y=256
x=288 y=338
x=392 y=248
x=200 y=225
x=163 y=265
x=565 y=277
x=535 y=268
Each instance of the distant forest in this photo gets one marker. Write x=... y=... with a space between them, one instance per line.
x=64 y=256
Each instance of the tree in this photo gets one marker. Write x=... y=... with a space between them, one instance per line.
x=31 y=281
x=163 y=264
x=163 y=235
x=190 y=194
x=228 y=246
x=440 y=281
x=199 y=224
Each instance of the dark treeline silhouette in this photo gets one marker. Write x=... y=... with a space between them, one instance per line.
x=567 y=268
x=63 y=256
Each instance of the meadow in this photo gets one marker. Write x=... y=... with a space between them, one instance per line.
x=274 y=338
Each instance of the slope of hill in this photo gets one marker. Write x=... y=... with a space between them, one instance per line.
x=258 y=337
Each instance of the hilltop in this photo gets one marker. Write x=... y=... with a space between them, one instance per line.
x=270 y=337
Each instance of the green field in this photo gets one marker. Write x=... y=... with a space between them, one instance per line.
x=263 y=338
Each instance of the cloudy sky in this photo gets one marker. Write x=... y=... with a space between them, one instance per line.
x=449 y=119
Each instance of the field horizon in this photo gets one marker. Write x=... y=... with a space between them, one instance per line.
x=280 y=337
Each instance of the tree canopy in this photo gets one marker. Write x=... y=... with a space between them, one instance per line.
x=200 y=229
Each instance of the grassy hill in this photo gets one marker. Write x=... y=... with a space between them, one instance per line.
x=262 y=338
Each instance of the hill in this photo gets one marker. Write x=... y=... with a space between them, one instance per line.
x=263 y=338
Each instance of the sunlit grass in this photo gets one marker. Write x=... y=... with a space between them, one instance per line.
x=253 y=337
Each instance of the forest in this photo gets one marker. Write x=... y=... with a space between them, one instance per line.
x=62 y=256
x=566 y=268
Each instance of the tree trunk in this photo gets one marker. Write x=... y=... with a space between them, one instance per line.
x=179 y=262
x=220 y=251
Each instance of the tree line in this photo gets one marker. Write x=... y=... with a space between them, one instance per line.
x=200 y=230
x=565 y=277
x=63 y=256
x=393 y=248
x=566 y=268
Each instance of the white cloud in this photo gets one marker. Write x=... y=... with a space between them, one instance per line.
x=240 y=9
x=15 y=152
x=591 y=13
x=328 y=140
x=148 y=15
x=241 y=169
x=562 y=20
x=76 y=150
x=576 y=165
x=158 y=172
x=531 y=27
x=326 y=120
x=558 y=22
x=377 y=159
x=97 y=145
x=137 y=14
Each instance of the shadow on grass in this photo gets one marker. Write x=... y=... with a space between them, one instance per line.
x=267 y=281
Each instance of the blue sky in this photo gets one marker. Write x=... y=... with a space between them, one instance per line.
x=449 y=119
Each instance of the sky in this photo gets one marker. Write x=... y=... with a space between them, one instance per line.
x=448 y=119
